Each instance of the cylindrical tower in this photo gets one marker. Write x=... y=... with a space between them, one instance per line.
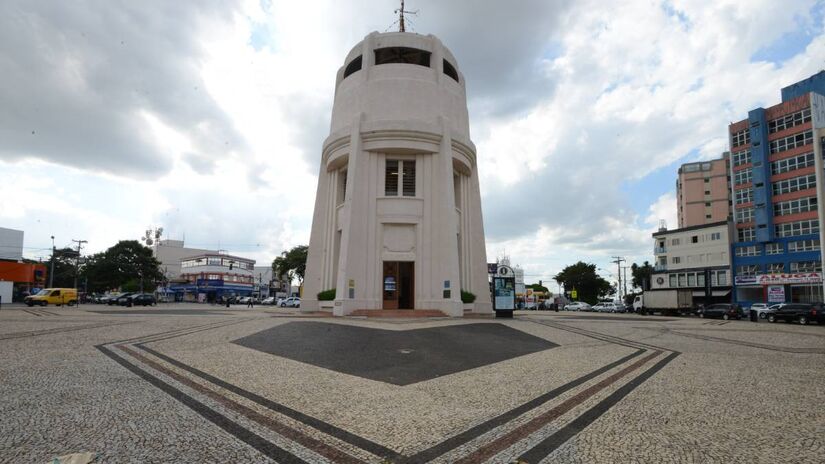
x=397 y=221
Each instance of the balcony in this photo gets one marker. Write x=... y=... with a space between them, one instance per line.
x=660 y=267
x=659 y=250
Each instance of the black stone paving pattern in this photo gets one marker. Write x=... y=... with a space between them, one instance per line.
x=396 y=357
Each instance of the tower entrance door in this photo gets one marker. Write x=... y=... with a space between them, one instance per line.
x=399 y=285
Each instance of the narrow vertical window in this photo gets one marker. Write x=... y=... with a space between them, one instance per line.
x=342 y=187
x=408 y=178
x=391 y=175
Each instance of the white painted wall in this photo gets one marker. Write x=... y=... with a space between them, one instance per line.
x=11 y=244
x=410 y=113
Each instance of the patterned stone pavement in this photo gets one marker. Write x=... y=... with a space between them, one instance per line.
x=198 y=383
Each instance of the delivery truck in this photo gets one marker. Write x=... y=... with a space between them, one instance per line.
x=665 y=302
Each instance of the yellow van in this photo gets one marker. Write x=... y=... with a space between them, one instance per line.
x=55 y=296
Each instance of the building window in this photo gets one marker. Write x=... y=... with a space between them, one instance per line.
x=716 y=236
x=806 y=266
x=744 y=215
x=674 y=241
x=773 y=248
x=691 y=280
x=792 y=141
x=794 y=184
x=707 y=203
x=402 y=55
x=399 y=173
x=682 y=280
x=743 y=196
x=700 y=279
x=747 y=270
x=694 y=239
x=776 y=268
x=741 y=157
x=707 y=192
x=801 y=205
x=213 y=261
x=721 y=278
x=742 y=177
x=353 y=66
x=752 y=250
x=449 y=70
x=672 y=280
x=790 y=164
x=707 y=216
x=675 y=260
x=740 y=138
x=746 y=235
x=788 y=121
x=792 y=229
x=342 y=186
x=803 y=245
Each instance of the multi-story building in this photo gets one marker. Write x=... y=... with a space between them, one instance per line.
x=17 y=277
x=682 y=257
x=776 y=167
x=210 y=276
x=703 y=192
x=170 y=253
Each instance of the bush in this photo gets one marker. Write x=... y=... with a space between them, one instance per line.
x=326 y=295
x=467 y=297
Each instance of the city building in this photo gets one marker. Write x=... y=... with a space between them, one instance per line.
x=170 y=253
x=397 y=221
x=17 y=277
x=212 y=276
x=682 y=257
x=703 y=192
x=776 y=168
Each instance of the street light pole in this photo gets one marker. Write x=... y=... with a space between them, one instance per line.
x=51 y=265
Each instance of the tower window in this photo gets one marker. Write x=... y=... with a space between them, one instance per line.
x=399 y=173
x=449 y=70
x=353 y=66
x=402 y=55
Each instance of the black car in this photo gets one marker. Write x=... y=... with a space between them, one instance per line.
x=124 y=299
x=143 y=299
x=111 y=299
x=803 y=313
x=723 y=310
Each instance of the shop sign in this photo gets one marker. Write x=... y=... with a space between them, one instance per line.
x=776 y=294
x=780 y=279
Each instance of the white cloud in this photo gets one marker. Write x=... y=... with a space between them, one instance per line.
x=208 y=119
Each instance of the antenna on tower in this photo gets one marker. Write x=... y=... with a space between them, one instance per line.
x=662 y=225
x=401 y=12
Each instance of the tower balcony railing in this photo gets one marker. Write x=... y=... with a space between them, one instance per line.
x=659 y=250
x=660 y=267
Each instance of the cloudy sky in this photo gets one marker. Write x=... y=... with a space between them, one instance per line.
x=207 y=118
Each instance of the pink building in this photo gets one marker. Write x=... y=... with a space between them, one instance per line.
x=703 y=192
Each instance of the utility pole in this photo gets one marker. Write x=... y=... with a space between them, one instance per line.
x=401 y=11
x=618 y=261
x=624 y=270
x=51 y=265
x=77 y=260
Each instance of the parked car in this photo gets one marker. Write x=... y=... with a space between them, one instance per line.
x=762 y=309
x=112 y=298
x=270 y=300
x=124 y=299
x=54 y=296
x=723 y=310
x=578 y=306
x=143 y=299
x=242 y=299
x=291 y=302
x=804 y=313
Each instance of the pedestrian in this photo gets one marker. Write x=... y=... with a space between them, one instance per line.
x=251 y=302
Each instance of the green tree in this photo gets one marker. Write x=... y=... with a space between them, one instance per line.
x=291 y=263
x=64 y=268
x=582 y=276
x=641 y=275
x=126 y=264
x=537 y=288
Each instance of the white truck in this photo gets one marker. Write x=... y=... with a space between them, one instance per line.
x=665 y=302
